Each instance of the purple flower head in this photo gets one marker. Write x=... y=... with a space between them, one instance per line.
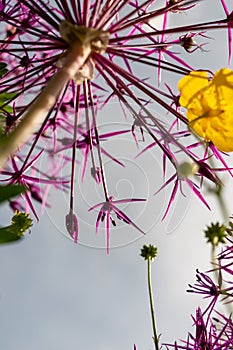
x=65 y=62
x=205 y=286
x=208 y=334
x=216 y=291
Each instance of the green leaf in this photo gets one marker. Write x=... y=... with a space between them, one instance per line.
x=3 y=69
x=4 y=97
x=2 y=124
x=7 y=108
x=9 y=191
x=7 y=236
x=20 y=223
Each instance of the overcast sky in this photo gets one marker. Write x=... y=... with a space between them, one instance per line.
x=57 y=295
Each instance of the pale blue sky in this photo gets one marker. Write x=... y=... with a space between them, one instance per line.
x=56 y=295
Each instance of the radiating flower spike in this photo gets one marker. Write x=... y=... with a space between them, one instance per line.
x=105 y=214
x=63 y=62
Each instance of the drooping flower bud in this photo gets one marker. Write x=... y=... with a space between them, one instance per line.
x=72 y=225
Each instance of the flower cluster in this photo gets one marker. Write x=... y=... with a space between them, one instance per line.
x=63 y=62
x=213 y=326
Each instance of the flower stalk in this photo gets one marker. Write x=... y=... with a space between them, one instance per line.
x=152 y=309
x=74 y=65
x=42 y=105
x=149 y=253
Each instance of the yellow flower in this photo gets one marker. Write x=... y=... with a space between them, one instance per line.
x=209 y=104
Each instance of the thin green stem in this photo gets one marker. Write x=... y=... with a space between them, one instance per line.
x=156 y=340
x=214 y=262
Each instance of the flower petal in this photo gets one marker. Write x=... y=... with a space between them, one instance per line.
x=210 y=106
x=190 y=85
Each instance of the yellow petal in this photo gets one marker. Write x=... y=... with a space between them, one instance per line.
x=223 y=83
x=210 y=106
x=191 y=85
x=223 y=141
x=217 y=128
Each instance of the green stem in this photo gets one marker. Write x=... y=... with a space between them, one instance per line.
x=214 y=261
x=156 y=341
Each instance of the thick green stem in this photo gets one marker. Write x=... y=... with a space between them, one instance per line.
x=46 y=100
x=156 y=340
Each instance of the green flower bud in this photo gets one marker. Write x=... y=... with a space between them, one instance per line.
x=149 y=252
